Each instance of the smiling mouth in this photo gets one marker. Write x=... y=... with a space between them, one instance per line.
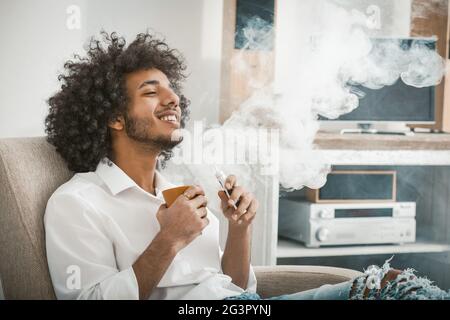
x=169 y=118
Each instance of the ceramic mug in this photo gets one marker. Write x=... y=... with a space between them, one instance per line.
x=170 y=195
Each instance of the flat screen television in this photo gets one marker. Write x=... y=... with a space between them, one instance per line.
x=395 y=103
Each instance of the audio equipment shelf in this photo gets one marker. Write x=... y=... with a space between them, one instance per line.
x=426 y=156
x=292 y=249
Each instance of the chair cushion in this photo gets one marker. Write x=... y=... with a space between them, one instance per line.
x=30 y=171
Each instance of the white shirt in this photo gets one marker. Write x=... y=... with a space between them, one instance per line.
x=98 y=223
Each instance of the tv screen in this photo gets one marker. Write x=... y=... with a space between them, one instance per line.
x=397 y=102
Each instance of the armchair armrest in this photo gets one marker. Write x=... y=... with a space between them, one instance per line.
x=278 y=280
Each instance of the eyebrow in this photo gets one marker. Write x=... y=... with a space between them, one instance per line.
x=149 y=82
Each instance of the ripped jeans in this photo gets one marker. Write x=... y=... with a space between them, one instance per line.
x=406 y=286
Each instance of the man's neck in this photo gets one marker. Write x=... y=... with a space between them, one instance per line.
x=138 y=164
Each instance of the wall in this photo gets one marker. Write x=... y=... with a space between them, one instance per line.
x=36 y=42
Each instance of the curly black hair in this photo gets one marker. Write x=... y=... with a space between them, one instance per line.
x=93 y=93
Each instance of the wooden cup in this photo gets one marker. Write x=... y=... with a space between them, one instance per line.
x=170 y=195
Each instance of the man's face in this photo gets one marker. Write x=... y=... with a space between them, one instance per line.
x=153 y=112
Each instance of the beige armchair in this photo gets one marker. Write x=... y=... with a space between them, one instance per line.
x=30 y=170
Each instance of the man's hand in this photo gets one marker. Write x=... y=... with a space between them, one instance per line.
x=180 y=225
x=246 y=204
x=185 y=219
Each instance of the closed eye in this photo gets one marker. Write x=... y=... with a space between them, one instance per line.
x=150 y=93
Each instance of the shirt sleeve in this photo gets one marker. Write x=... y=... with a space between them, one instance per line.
x=80 y=254
x=251 y=284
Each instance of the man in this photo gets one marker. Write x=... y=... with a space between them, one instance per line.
x=109 y=234
x=112 y=122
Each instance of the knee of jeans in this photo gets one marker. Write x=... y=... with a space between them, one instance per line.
x=338 y=291
x=321 y=292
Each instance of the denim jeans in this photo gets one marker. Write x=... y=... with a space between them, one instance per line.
x=340 y=291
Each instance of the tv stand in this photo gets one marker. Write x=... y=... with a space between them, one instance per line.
x=375 y=131
x=367 y=128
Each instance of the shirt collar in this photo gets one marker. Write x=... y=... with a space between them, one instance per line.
x=117 y=180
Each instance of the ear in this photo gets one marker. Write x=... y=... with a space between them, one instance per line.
x=117 y=124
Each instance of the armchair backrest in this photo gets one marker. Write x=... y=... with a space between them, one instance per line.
x=30 y=171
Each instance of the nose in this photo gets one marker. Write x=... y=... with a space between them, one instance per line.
x=170 y=98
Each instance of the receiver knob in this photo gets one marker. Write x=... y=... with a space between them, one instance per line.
x=322 y=234
x=325 y=214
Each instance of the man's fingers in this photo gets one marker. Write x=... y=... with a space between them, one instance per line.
x=235 y=195
x=199 y=201
x=202 y=212
x=222 y=196
x=193 y=191
x=225 y=206
x=241 y=206
x=244 y=203
x=251 y=212
x=230 y=182
x=248 y=217
x=254 y=206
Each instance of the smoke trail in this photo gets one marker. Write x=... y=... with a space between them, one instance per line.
x=326 y=58
x=425 y=68
x=336 y=54
x=416 y=64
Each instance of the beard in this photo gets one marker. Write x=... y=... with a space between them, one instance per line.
x=138 y=130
